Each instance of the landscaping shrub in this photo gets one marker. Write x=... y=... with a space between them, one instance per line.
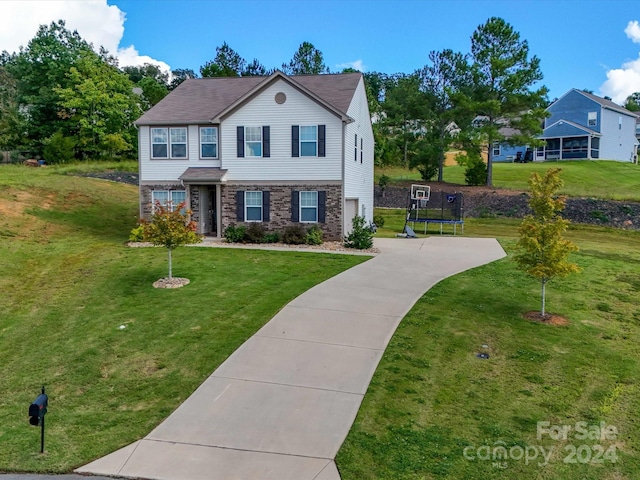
x=254 y=233
x=314 y=236
x=137 y=234
x=58 y=148
x=295 y=235
x=235 y=234
x=273 y=237
x=361 y=236
x=378 y=220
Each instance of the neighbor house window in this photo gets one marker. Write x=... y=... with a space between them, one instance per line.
x=592 y=119
x=169 y=142
x=208 y=142
x=496 y=149
x=309 y=206
x=169 y=198
x=253 y=141
x=308 y=141
x=253 y=206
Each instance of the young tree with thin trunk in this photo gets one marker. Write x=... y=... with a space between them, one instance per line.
x=543 y=252
x=171 y=228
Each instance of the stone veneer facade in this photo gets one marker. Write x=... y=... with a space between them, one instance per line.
x=280 y=204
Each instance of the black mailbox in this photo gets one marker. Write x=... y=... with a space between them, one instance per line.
x=37 y=409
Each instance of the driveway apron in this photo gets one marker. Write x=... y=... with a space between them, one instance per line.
x=280 y=406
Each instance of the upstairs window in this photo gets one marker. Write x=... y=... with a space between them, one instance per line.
x=496 y=149
x=208 y=142
x=253 y=141
x=309 y=141
x=169 y=142
x=592 y=119
x=159 y=143
x=178 y=142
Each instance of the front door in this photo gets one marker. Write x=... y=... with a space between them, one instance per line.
x=205 y=211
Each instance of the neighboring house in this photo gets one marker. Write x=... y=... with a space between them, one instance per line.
x=279 y=150
x=584 y=126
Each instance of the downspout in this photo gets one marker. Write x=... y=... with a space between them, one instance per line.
x=343 y=199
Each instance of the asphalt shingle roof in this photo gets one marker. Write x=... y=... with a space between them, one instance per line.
x=201 y=99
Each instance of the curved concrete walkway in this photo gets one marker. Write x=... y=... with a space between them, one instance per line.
x=280 y=407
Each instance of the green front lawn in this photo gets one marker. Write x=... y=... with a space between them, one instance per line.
x=432 y=397
x=68 y=283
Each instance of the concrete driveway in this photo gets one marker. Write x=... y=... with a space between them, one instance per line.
x=280 y=407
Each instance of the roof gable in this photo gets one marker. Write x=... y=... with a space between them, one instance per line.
x=207 y=100
x=603 y=102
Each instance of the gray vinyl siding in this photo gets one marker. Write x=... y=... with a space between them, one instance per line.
x=358 y=181
x=298 y=109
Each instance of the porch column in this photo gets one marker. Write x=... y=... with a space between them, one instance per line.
x=560 y=148
x=219 y=211
x=589 y=147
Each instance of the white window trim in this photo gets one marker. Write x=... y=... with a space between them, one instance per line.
x=300 y=206
x=300 y=141
x=592 y=117
x=253 y=206
x=496 y=147
x=216 y=143
x=247 y=150
x=169 y=143
x=169 y=199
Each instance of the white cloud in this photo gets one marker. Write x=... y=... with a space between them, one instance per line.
x=633 y=31
x=95 y=21
x=357 y=64
x=622 y=82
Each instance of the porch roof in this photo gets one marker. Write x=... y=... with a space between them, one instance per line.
x=567 y=128
x=203 y=175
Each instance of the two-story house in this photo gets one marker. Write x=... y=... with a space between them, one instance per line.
x=584 y=126
x=280 y=150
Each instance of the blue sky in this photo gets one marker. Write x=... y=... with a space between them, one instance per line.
x=578 y=42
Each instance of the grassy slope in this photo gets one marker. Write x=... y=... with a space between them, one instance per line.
x=597 y=179
x=68 y=283
x=431 y=397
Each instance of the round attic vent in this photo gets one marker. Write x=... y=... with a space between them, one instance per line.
x=281 y=98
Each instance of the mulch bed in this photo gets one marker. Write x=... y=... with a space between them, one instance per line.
x=548 y=318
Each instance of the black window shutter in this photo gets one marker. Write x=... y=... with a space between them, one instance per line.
x=355 y=150
x=295 y=141
x=321 y=140
x=322 y=206
x=295 y=206
x=240 y=205
x=240 y=137
x=266 y=204
x=266 y=141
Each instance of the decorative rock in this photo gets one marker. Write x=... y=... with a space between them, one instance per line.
x=175 y=282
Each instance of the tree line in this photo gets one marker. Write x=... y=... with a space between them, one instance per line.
x=61 y=100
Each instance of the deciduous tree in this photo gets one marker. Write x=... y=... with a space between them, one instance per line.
x=170 y=228
x=543 y=252
x=179 y=75
x=99 y=107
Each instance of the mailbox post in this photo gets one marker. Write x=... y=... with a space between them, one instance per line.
x=37 y=411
